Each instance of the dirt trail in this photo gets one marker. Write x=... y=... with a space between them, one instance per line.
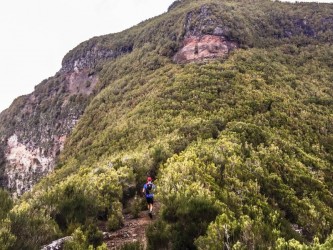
x=133 y=230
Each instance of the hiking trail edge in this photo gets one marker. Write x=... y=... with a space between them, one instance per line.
x=134 y=230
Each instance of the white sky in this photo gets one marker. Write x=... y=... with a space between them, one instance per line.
x=36 y=35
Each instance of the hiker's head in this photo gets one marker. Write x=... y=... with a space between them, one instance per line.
x=149 y=178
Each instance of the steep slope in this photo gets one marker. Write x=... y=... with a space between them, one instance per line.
x=34 y=128
x=228 y=103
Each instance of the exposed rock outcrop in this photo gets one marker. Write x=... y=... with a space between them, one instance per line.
x=57 y=244
x=86 y=60
x=34 y=129
x=26 y=165
x=205 y=47
x=204 y=38
x=89 y=54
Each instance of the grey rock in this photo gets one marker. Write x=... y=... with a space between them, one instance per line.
x=57 y=244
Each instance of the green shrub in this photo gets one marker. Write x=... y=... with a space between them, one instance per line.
x=94 y=235
x=114 y=223
x=136 y=206
x=6 y=203
x=132 y=246
x=79 y=241
x=158 y=235
x=32 y=228
x=7 y=239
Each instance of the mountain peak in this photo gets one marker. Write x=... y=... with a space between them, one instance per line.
x=227 y=104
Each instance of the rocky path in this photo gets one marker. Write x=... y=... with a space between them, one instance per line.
x=133 y=230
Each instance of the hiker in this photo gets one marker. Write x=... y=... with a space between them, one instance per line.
x=148 y=190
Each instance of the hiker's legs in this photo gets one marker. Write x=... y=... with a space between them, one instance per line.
x=148 y=199
x=150 y=202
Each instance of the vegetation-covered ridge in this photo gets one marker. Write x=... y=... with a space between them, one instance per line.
x=41 y=127
x=261 y=23
x=241 y=147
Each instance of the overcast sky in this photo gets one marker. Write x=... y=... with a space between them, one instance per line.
x=36 y=34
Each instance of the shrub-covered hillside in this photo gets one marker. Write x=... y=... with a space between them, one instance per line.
x=240 y=147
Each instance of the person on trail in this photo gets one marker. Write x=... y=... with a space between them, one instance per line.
x=148 y=190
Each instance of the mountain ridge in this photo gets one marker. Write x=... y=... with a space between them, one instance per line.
x=219 y=126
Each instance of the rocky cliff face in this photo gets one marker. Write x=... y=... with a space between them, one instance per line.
x=25 y=165
x=34 y=129
x=33 y=138
x=206 y=47
x=90 y=55
x=204 y=38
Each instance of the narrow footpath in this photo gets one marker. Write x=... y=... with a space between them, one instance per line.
x=134 y=230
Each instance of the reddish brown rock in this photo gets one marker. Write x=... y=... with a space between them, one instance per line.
x=205 y=47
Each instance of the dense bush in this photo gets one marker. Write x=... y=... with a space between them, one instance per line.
x=77 y=201
x=32 y=228
x=81 y=240
x=132 y=246
x=240 y=146
x=6 y=204
x=258 y=204
x=240 y=136
x=7 y=238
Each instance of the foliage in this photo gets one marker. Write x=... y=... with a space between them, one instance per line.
x=79 y=241
x=294 y=244
x=239 y=136
x=6 y=204
x=132 y=246
x=114 y=222
x=94 y=235
x=261 y=23
x=243 y=137
x=136 y=206
x=241 y=147
x=251 y=214
x=90 y=239
x=31 y=227
x=77 y=200
x=158 y=235
x=7 y=239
